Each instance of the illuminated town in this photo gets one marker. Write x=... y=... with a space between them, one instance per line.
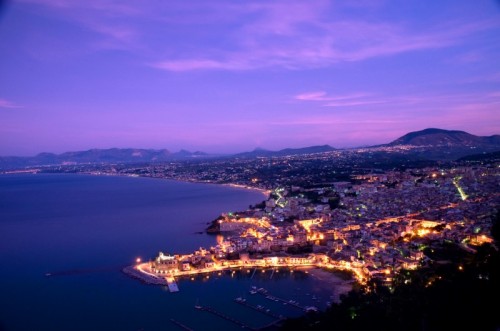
x=373 y=226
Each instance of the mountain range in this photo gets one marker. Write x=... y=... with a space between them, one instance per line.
x=433 y=144
x=111 y=155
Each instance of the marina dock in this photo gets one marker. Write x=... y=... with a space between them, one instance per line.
x=258 y=308
x=284 y=301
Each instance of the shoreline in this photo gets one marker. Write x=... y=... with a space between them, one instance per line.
x=246 y=187
x=37 y=171
x=339 y=286
x=325 y=271
x=265 y=192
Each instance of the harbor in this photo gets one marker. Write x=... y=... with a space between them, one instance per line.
x=107 y=295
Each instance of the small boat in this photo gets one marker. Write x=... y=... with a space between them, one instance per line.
x=311 y=309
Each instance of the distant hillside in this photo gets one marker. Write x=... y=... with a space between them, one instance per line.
x=429 y=144
x=259 y=152
x=439 y=144
x=440 y=137
x=112 y=155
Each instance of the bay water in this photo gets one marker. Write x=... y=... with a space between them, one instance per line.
x=64 y=239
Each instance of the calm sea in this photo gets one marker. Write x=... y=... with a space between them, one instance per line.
x=84 y=229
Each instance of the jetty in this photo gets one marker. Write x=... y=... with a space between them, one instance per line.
x=224 y=316
x=172 y=285
x=182 y=326
x=284 y=301
x=147 y=278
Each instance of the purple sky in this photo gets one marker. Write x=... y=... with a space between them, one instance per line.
x=229 y=76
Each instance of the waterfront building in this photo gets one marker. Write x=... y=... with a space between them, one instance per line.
x=164 y=263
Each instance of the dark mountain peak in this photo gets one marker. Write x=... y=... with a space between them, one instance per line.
x=433 y=131
x=439 y=137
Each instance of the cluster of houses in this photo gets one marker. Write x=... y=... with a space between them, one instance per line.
x=379 y=224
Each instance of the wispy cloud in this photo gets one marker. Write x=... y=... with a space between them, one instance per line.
x=104 y=7
x=323 y=96
x=308 y=40
x=109 y=20
x=224 y=35
x=346 y=100
x=8 y=104
x=449 y=106
x=187 y=65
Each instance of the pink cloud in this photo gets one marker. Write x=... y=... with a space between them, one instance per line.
x=323 y=96
x=8 y=104
x=347 y=100
x=353 y=103
x=119 y=33
x=187 y=65
x=311 y=96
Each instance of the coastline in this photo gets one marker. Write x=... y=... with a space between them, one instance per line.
x=37 y=171
x=265 y=192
